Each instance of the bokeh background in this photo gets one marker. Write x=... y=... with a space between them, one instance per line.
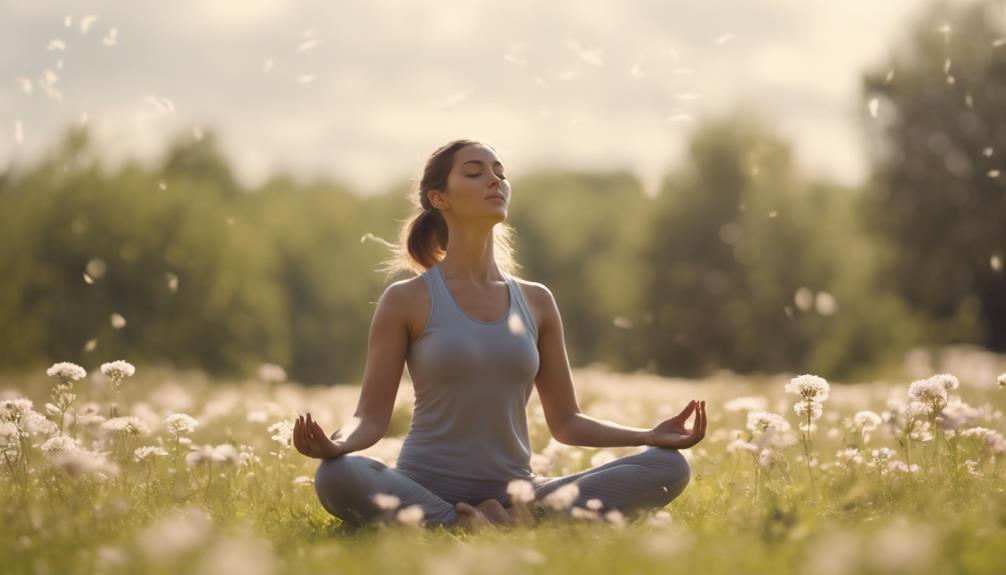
x=757 y=186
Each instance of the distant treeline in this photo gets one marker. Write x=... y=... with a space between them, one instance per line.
x=739 y=262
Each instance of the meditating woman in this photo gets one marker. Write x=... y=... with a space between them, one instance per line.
x=477 y=339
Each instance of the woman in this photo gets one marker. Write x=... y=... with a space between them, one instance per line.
x=476 y=340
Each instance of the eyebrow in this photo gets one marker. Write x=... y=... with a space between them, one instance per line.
x=497 y=163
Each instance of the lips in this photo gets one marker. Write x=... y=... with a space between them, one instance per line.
x=496 y=196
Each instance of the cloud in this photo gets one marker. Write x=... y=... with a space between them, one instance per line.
x=580 y=84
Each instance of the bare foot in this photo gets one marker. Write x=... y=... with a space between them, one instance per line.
x=495 y=512
x=471 y=519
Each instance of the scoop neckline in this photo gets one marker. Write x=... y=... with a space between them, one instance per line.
x=506 y=314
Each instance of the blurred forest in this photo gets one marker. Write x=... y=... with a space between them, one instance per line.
x=739 y=263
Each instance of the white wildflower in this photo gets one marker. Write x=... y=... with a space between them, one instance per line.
x=282 y=432
x=866 y=421
x=809 y=387
x=246 y=456
x=34 y=423
x=540 y=463
x=179 y=424
x=520 y=491
x=760 y=421
x=849 y=456
x=199 y=455
x=769 y=458
x=126 y=425
x=562 y=497
x=957 y=414
x=68 y=372
x=971 y=466
x=902 y=467
x=148 y=452
x=386 y=501
x=582 y=513
x=80 y=462
x=89 y=414
x=881 y=456
x=303 y=480
x=741 y=445
x=8 y=429
x=615 y=516
x=930 y=393
x=271 y=373
x=13 y=410
x=990 y=439
x=948 y=381
x=411 y=515
x=58 y=444
x=223 y=453
x=118 y=370
x=807 y=408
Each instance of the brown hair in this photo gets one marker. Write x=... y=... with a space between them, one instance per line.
x=422 y=238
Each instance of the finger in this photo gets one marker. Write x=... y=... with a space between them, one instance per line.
x=682 y=417
x=299 y=438
x=305 y=439
x=308 y=427
x=703 y=420
x=687 y=411
x=696 y=429
x=319 y=433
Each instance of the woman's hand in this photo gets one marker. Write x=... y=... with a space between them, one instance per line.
x=673 y=433
x=310 y=440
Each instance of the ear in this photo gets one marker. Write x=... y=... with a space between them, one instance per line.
x=437 y=199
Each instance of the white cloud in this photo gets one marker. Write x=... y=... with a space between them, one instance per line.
x=382 y=72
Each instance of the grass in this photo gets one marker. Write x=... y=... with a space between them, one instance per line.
x=255 y=511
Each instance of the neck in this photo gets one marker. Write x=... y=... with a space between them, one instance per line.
x=470 y=254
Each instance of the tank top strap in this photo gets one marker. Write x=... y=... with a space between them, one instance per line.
x=525 y=310
x=433 y=286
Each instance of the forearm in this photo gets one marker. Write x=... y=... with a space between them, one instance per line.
x=583 y=430
x=357 y=434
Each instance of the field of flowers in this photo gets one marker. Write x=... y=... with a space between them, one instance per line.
x=113 y=469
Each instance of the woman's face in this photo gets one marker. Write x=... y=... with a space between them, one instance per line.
x=477 y=185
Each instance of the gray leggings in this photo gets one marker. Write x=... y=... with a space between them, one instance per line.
x=631 y=484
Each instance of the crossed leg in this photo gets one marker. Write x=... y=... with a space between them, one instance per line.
x=346 y=486
x=632 y=484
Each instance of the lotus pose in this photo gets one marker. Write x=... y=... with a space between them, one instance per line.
x=477 y=340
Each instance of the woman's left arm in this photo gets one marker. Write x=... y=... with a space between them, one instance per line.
x=554 y=381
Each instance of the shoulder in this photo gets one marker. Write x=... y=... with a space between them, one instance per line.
x=405 y=291
x=540 y=299
x=409 y=300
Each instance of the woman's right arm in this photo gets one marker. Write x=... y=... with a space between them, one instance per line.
x=387 y=345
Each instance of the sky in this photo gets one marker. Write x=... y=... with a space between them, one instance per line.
x=364 y=92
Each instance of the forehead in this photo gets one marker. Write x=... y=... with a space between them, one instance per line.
x=478 y=154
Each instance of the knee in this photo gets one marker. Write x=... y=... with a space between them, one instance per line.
x=343 y=471
x=339 y=483
x=672 y=468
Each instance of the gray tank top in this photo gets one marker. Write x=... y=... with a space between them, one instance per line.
x=472 y=381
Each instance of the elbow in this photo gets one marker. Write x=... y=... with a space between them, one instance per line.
x=562 y=430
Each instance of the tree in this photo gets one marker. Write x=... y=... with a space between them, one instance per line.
x=939 y=186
